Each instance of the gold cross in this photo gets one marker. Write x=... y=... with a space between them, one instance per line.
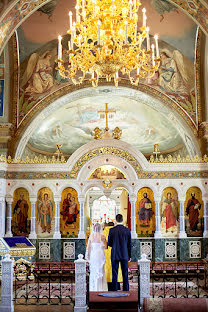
x=58 y=151
x=106 y=112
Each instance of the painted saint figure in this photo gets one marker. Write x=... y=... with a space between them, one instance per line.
x=38 y=75
x=70 y=210
x=170 y=211
x=21 y=210
x=45 y=212
x=192 y=210
x=145 y=211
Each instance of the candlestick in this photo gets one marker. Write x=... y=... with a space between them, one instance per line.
x=130 y=8
x=59 y=47
x=137 y=70
x=69 y=45
x=156 y=45
x=77 y=13
x=83 y=4
x=70 y=19
x=72 y=37
x=144 y=17
x=148 y=38
x=153 y=54
x=126 y=32
x=94 y=2
x=98 y=32
x=84 y=14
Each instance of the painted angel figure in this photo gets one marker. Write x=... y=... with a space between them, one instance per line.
x=176 y=72
x=38 y=76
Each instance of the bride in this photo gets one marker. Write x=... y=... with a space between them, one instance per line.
x=96 y=258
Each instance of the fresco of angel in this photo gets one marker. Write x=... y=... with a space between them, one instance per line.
x=176 y=72
x=38 y=76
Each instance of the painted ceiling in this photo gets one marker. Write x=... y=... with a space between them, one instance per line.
x=72 y=125
x=37 y=38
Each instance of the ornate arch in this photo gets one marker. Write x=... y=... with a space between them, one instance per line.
x=52 y=102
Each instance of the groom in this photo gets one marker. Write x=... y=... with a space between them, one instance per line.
x=120 y=240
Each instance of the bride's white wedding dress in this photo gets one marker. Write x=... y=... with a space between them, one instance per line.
x=96 y=256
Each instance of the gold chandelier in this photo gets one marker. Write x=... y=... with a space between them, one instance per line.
x=105 y=42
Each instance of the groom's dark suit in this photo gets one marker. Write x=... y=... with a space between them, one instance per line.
x=120 y=240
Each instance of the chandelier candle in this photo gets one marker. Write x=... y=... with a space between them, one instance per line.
x=106 y=41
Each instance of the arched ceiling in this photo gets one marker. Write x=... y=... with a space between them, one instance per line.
x=70 y=121
x=14 y=12
x=36 y=35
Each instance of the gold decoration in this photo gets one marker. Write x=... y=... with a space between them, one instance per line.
x=117 y=132
x=105 y=42
x=97 y=133
x=23 y=270
x=106 y=112
x=107 y=183
x=35 y=160
x=178 y=159
x=58 y=150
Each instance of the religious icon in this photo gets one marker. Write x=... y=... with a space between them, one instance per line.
x=69 y=213
x=194 y=212
x=169 y=212
x=45 y=211
x=20 y=226
x=69 y=210
x=107 y=172
x=145 y=210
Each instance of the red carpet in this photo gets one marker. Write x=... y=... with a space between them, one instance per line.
x=176 y=305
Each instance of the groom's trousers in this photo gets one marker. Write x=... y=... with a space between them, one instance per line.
x=124 y=268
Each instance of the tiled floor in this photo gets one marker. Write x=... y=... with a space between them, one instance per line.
x=43 y=308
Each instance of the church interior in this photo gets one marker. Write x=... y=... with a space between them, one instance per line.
x=80 y=143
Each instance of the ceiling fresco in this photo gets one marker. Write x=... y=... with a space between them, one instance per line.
x=38 y=54
x=72 y=125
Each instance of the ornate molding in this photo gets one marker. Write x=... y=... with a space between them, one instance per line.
x=105 y=151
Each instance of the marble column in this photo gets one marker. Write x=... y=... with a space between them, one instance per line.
x=7 y=304
x=9 y=217
x=144 y=269
x=2 y=216
x=158 y=233
x=182 y=233
x=81 y=217
x=57 y=233
x=133 y=199
x=205 y=234
x=80 y=284
x=33 y=234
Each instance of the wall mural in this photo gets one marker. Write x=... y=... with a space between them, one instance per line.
x=2 y=85
x=107 y=171
x=38 y=54
x=69 y=213
x=170 y=211
x=21 y=212
x=45 y=210
x=194 y=212
x=72 y=125
x=145 y=212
